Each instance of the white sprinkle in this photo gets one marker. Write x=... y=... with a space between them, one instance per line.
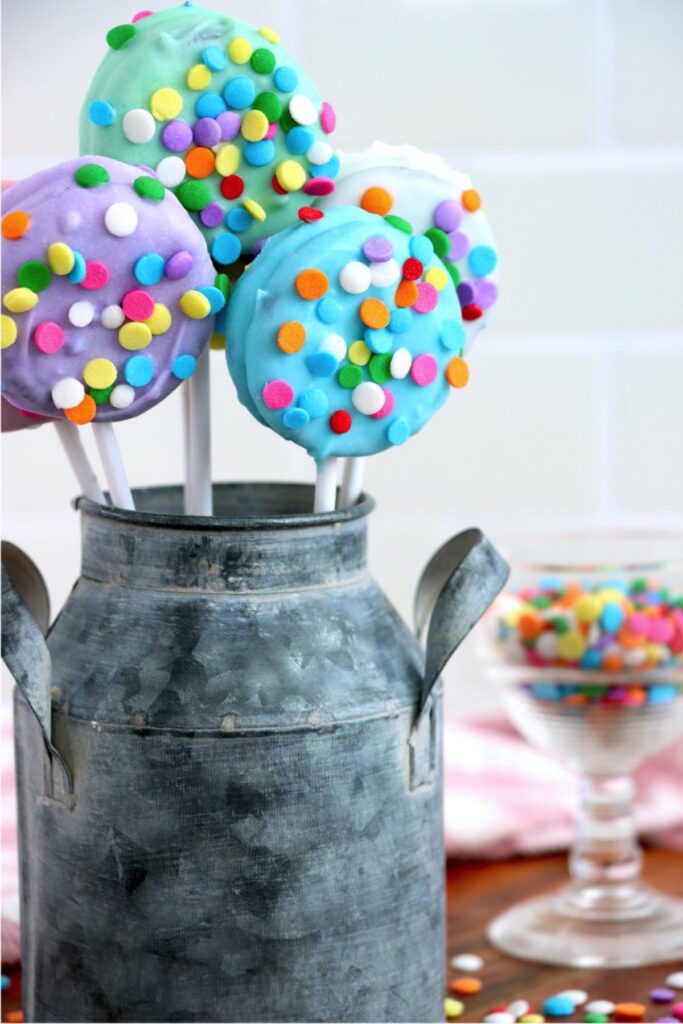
x=335 y=344
x=577 y=996
x=546 y=646
x=81 y=314
x=355 y=277
x=468 y=963
x=171 y=171
x=675 y=980
x=320 y=152
x=518 y=1008
x=499 y=1018
x=634 y=656
x=138 y=126
x=399 y=367
x=67 y=393
x=600 y=1006
x=368 y=398
x=384 y=274
x=121 y=219
x=302 y=109
x=112 y=317
x=122 y=396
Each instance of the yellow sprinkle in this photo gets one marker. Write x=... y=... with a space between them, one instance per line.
x=198 y=77
x=532 y=1018
x=134 y=336
x=217 y=342
x=270 y=34
x=8 y=331
x=195 y=305
x=60 y=258
x=254 y=126
x=160 y=320
x=99 y=373
x=358 y=353
x=452 y=1008
x=227 y=160
x=587 y=608
x=290 y=175
x=19 y=300
x=570 y=646
x=255 y=209
x=166 y=103
x=437 y=277
x=611 y=595
x=240 y=50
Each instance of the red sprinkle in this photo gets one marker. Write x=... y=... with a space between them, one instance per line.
x=277 y=187
x=340 y=421
x=412 y=269
x=232 y=186
x=471 y=312
x=309 y=213
x=319 y=187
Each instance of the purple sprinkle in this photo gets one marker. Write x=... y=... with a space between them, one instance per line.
x=178 y=265
x=257 y=246
x=207 y=132
x=448 y=215
x=460 y=244
x=667 y=1020
x=211 y=216
x=229 y=124
x=662 y=995
x=486 y=294
x=465 y=293
x=176 y=136
x=378 y=249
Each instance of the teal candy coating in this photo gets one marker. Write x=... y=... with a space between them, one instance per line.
x=265 y=297
x=160 y=54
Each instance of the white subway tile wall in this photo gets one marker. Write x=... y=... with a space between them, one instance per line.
x=569 y=116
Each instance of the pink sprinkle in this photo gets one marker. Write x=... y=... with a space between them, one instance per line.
x=319 y=187
x=328 y=118
x=427 y=298
x=140 y=15
x=639 y=624
x=96 y=275
x=272 y=130
x=49 y=337
x=387 y=407
x=137 y=305
x=661 y=631
x=277 y=394
x=423 y=369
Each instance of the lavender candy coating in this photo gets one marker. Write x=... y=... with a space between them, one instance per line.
x=120 y=251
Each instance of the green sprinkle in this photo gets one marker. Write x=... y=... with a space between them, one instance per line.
x=287 y=121
x=89 y=175
x=595 y=1018
x=453 y=271
x=263 y=61
x=399 y=222
x=149 y=188
x=593 y=692
x=194 y=195
x=350 y=376
x=120 y=35
x=540 y=602
x=378 y=368
x=34 y=275
x=100 y=396
x=268 y=104
x=560 y=625
x=439 y=240
x=638 y=586
x=222 y=282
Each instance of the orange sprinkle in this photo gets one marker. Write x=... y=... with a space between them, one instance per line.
x=14 y=224
x=457 y=372
x=374 y=313
x=628 y=639
x=15 y=1016
x=82 y=413
x=311 y=283
x=376 y=200
x=406 y=294
x=471 y=199
x=291 y=336
x=529 y=625
x=200 y=162
x=575 y=700
x=466 y=986
x=612 y=663
x=632 y=1010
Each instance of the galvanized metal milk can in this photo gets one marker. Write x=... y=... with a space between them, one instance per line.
x=230 y=810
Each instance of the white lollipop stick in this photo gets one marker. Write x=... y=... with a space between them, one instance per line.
x=325 y=498
x=198 y=490
x=186 y=444
x=80 y=463
x=352 y=481
x=112 y=463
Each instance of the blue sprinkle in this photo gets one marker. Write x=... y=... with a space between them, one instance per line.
x=591 y=659
x=210 y=104
x=226 y=248
x=77 y=273
x=214 y=58
x=314 y=401
x=611 y=617
x=398 y=432
x=183 y=366
x=321 y=364
x=661 y=693
x=379 y=341
x=149 y=269
x=550 y=583
x=399 y=321
x=238 y=219
x=239 y=93
x=285 y=79
x=258 y=154
x=295 y=419
x=101 y=113
x=215 y=297
x=298 y=140
x=452 y=335
x=219 y=325
x=4 y=982
x=421 y=248
x=548 y=691
x=558 y=1006
x=328 y=310
x=328 y=170
x=616 y=585
x=482 y=260
x=138 y=371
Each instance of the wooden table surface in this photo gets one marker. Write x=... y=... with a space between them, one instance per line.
x=476 y=892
